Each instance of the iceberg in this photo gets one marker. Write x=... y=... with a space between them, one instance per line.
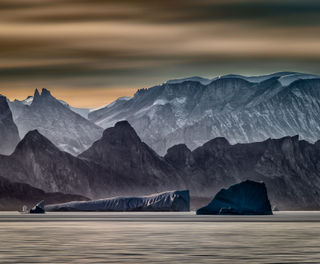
x=245 y=198
x=38 y=208
x=172 y=201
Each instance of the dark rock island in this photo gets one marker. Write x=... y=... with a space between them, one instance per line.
x=245 y=198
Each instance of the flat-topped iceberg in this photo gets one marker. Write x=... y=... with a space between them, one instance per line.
x=174 y=201
x=245 y=198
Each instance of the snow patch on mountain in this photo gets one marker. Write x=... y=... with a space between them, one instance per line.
x=28 y=100
x=290 y=78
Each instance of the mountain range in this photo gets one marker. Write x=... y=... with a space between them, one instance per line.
x=120 y=164
x=56 y=120
x=190 y=111
x=193 y=133
x=242 y=109
x=117 y=164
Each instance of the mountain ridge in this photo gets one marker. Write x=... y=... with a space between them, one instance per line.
x=68 y=130
x=119 y=163
x=290 y=168
x=242 y=111
x=13 y=195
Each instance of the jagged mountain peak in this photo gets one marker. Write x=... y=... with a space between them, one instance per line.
x=9 y=135
x=44 y=96
x=118 y=144
x=33 y=135
x=120 y=150
x=36 y=93
x=55 y=120
x=123 y=124
x=121 y=133
x=34 y=140
x=4 y=103
x=45 y=92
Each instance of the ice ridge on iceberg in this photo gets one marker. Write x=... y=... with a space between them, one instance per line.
x=174 y=201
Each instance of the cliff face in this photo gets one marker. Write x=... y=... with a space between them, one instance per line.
x=9 y=136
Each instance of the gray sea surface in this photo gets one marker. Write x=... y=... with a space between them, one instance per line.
x=286 y=237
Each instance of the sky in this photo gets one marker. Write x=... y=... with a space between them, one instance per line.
x=90 y=52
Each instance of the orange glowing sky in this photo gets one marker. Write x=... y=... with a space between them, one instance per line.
x=89 y=52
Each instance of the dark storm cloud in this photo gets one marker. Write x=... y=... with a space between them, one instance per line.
x=122 y=45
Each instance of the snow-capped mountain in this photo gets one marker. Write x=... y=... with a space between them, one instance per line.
x=9 y=136
x=66 y=129
x=240 y=108
x=81 y=111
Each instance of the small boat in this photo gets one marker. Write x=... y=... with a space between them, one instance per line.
x=37 y=209
x=24 y=210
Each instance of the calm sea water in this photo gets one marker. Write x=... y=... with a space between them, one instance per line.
x=287 y=237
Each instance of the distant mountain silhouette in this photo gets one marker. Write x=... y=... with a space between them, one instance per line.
x=121 y=150
x=290 y=168
x=117 y=164
x=38 y=162
x=121 y=164
x=13 y=195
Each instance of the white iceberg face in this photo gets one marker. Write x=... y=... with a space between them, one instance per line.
x=175 y=201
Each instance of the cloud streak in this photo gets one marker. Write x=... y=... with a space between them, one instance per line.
x=82 y=48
